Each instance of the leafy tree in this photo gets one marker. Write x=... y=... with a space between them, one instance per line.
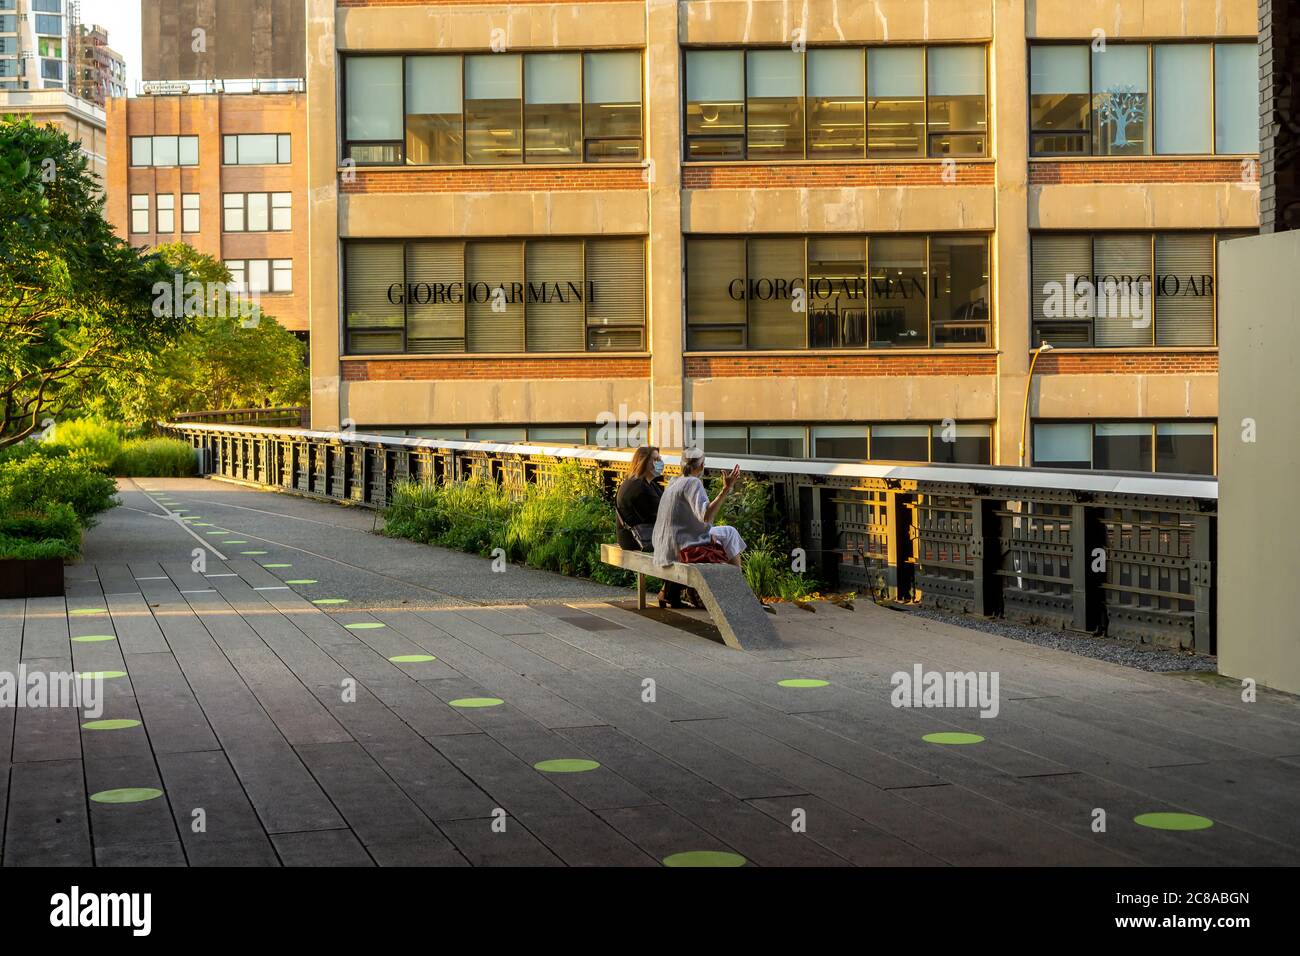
x=227 y=359
x=75 y=300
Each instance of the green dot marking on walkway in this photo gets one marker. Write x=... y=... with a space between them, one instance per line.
x=952 y=738
x=277 y=565
x=127 y=795
x=565 y=765
x=365 y=626
x=233 y=541
x=477 y=702
x=301 y=581
x=110 y=724
x=94 y=638
x=250 y=552
x=330 y=601
x=1173 y=821
x=103 y=675
x=803 y=682
x=82 y=611
x=412 y=658
x=218 y=532
x=203 y=524
x=704 y=858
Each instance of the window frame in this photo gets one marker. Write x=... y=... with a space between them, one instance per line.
x=186 y=209
x=807 y=239
x=1153 y=424
x=243 y=207
x=282 y=140
x=405 y=242
x=927 y=134
x=399 y=146
x=140 y=210
x=1212 y=102
x=1216 y=236
x=151 y=140
x=241 y=267
x=159 y=211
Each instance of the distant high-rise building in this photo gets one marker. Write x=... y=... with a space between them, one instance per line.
x=190 y=40
x=98 y=71
x=33 y=44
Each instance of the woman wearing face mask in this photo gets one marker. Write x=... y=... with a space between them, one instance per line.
x=637 y=505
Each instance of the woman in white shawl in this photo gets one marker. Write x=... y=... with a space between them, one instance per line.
x=686 y=514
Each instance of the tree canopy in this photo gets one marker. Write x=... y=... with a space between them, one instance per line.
x=75 y=299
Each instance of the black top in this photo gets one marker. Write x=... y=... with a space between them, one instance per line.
x=637 y=502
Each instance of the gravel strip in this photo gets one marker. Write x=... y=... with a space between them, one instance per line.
x=1141 y=656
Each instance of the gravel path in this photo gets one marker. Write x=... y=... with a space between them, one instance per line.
x=1143 y=657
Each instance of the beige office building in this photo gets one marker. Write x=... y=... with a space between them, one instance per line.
x=826 y=228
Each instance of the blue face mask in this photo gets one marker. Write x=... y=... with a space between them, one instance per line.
x=659 y=466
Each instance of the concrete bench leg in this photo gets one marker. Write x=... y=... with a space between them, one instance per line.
x=640 y=591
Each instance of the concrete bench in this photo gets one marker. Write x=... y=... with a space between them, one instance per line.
x=735 y=610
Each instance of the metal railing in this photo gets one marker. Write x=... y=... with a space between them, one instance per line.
x=1127 y=555
x=292 y=416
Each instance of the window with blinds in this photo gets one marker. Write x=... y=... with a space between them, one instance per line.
x=1132 y=289
x=1185 y=294
x=773 y=321
x=555 y=291
x=615 y=271
x=435 y=311
x=373 y=322
x=1122 y=264
x=451 y=296
x=494 y=312
x=715 y=318
x=1057 y=264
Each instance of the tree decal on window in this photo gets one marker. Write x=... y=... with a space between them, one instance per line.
x=1121 y=107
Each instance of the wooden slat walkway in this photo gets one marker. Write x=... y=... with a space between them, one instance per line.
x=277 y=731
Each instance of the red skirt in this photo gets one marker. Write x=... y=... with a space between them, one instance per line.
x=703 y=554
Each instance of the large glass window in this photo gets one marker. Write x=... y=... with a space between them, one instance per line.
x=1185 y=448
x=373 y=103
x=896 y=103
x=899 y=304
x=1183 y=89
x=1059 y=85
x=837 y=107
x=959 y=304
x=777 y=441
x=545 y=295
x=164 y=150
x=611 y=117
x=494 y=108
x=257 y=212
x=1236 y=98
x=774 y=104
x=434 y=133
x=190 y=212
x=956 y=86
x=553 y=107
x=830 y=292
x=715 y=104
x=941 y=442
x=256 y=149
x=1136 y=99
x=1120 y=106
x=900 y=443
x=953 y=444
x=840 y=441
x=1116 y=290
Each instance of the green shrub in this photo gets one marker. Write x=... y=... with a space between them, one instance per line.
x=414 y=512
x=476 y=513
x=561 y=525
x=762 y=570
x=31 y=448
x=36 y=480
x=50 y=531
x=155 y=458
x=96 y=440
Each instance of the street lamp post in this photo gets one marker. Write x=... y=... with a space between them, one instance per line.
x=1029 y=383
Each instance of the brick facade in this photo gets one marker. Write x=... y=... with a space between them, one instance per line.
x=1279 y=38
x=1052 y=172
x=821 y=365
x=1136 y=362
x=751 y=175
x=473 y=179
x=492 y=368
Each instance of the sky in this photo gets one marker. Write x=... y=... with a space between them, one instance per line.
x=122 y=20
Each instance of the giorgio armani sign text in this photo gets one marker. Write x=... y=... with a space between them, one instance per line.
x=424 y=293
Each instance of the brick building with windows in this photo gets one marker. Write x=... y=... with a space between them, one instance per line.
x=221 y=172
x=832 y=230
